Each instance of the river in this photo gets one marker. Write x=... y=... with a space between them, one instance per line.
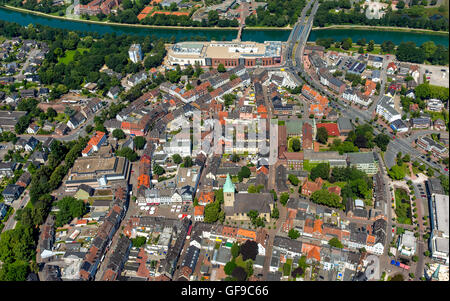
x=214 y=34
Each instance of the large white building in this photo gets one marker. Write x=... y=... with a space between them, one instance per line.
x=385 y=108
x=439 y=242
x=135 y=53
x=230 y=54
x=407 y=243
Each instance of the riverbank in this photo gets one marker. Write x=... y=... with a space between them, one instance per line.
x=383 y=28
x=253 y=28
x=27 y=11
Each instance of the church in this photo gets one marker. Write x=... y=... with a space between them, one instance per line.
x=237 y=205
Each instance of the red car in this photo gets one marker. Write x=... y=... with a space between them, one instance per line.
x=446 y=169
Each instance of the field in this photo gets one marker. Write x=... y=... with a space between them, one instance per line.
x=68 y=56
x=402 y=207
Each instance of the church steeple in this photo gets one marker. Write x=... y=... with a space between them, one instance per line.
x=228 y=186
x=228 y=192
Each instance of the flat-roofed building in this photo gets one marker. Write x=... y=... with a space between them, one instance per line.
x=230 y=54
x=385 y=108
x=97 y=172
x=9 y=119
x=439 y=213
x=429 y=144
x=407 y=243
x=363 y=161
x=333 y=158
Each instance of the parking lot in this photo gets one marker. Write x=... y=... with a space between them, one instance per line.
x=435 y=74
x=169 y=211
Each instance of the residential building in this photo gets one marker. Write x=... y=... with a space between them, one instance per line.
x=135 y=53
x=9 y=119
x=7 y=168
x=12 y=192
x=420 y=122
x=94 y=143
x=385 y=108
x=76 y=120
x=434 y=105
x=429 y=144
x=308 y=187
x=399 y=126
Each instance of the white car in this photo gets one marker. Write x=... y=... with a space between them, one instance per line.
x=172 y=210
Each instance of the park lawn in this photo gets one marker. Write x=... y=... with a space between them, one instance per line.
x=438 y=115
x=403 y=207
x=340 y=184
x=68 y=55
x=308 y=166
x=61 y=117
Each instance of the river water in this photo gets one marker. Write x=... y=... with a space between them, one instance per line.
x=214 y=34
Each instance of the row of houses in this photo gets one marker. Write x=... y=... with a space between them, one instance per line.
x=106 y=231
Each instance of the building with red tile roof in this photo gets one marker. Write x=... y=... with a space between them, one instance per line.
x=335 y=190
x=332 y=128
x=311 y=251
x=94 y=143
x=317 y=110
x=310 y=187
x=307 y=136
x=206 y=198
x=199 y=212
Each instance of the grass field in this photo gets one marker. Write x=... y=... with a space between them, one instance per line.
x=68 y=55
x=308 y=166
x=402 y=207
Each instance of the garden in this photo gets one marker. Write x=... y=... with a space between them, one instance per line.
x=403 y=206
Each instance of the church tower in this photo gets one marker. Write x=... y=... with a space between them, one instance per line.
x=228 y=192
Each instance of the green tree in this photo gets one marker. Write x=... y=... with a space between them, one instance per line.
x=127 y=153
x=284 y=198
x=334 y=242
x=244 y=173
x=370 y=46
x=295 y=145
x=139 y=241
x=158 y=170
x=235 y=158
x=69 y=208
x=212 y=212
x=177 y=159
x=293 y=234
x=187 y=161
x=139 y=142
x=15 y=271
x=293 y=179
x=346 y=44
x=235 y=250
x=322 y=135
x=221 y=68
x=322 y=170
x=119 y=134
x=229 y=267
